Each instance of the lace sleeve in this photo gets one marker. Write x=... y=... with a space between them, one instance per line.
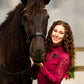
x=61 y=68
x=59 y=71
x=34 y=71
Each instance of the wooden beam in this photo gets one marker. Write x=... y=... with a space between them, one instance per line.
x=79 y=68
x=79 y=48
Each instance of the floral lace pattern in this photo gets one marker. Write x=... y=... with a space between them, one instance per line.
x=54 y=69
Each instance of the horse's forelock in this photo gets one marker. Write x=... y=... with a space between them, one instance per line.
x=32 y=7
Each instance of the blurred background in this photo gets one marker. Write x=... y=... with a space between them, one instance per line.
x=70 y=11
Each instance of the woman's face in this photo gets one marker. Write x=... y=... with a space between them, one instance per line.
x=57 y=35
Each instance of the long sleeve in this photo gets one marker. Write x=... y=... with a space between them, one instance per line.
x=59 y=71
x=34 y=71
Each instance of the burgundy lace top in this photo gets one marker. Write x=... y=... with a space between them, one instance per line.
x=55 y=66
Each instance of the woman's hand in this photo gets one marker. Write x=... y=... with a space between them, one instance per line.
x=39 y=64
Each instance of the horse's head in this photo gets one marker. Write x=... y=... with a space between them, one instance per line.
x=35 y=22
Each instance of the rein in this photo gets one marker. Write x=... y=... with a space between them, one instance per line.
x=16 y=73
x=28 y=41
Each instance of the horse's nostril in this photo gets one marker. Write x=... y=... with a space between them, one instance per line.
x=38 y=51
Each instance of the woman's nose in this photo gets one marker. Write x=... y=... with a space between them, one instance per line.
x=56 y=34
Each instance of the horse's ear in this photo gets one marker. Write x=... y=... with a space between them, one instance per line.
x=24 y=2
x=46 y=1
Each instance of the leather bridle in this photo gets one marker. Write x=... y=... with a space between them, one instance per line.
x=29 y=39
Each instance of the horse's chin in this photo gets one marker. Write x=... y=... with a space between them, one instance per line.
x=36 y=60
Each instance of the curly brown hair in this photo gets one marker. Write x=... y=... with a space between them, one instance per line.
x=68 y=41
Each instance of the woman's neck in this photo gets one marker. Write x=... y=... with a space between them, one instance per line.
x=58 y=44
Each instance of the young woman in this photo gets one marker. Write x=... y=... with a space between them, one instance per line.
x=59 y=59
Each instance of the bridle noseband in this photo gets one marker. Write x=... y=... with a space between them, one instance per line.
x=29 y=39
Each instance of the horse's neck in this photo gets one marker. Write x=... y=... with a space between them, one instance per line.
x=11 y=38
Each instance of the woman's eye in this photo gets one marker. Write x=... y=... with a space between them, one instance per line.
x=61 y=33
x=55 y=30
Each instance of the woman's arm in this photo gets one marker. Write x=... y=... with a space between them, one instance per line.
x=34 y=71
x=59 y=71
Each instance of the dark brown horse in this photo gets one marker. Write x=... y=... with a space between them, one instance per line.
x=22 y=35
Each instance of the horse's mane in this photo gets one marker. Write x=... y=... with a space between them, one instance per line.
x=33 y=7
x=12 y=40
x=13 y=46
